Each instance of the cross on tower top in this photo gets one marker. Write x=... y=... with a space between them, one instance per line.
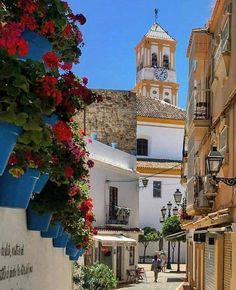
x=156 y=11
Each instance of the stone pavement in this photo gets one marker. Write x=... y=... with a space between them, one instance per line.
x=170 y=280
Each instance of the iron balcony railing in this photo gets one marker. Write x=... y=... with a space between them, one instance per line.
x=199 y=106
x=117 y=215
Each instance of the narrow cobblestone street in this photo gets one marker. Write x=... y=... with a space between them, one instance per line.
x=170 y=280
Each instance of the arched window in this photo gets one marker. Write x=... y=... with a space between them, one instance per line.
x=154 y=60
x=167 y=100
x=142 y=147
x=166 y=61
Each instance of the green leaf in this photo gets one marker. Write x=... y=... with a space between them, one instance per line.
x=12 y=91
x=7 y=117
x=22 y=83
x=36 y=137
x=25 y=138
x=32 y=125
x=20 y=119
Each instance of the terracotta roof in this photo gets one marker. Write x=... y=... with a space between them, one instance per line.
x=150 y=107
x=156 y=31
x=158 y=163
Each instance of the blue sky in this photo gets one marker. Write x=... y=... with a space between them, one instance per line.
x=114 y=27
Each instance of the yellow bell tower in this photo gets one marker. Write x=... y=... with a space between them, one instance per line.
x=155 y=66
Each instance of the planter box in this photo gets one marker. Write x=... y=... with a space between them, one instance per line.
x=41 y=182
x=38 y=45
x=79 y=254
x=52 y=231
x=61 y=241
x=16 y=192
x=38 y=222
x=8 y=137
x=71 y=249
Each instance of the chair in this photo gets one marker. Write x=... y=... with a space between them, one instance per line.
x=131 y=275
x=141 y=274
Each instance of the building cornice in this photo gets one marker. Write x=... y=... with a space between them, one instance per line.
x=159 y=120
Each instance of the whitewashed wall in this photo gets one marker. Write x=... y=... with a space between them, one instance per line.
x=166 y=141
x=49 y=268
x=117 y=167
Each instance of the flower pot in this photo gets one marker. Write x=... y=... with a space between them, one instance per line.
x=16 y=192
x=60 y=231
x=71 y=249
x=52 y=231
x=76 y=257
x=50 y=120
x=41 y=182
x=94 y=135
x=114 y=145
x=37 y=221
x=38 y=45
x=61 y=241
x=8 y=137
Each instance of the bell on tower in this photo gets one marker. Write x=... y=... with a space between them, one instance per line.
x=155 y=63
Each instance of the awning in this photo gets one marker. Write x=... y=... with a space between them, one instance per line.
x=114 y=240
x=216 y=218
x=175 y=235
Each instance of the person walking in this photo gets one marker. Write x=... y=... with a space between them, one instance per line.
x=156 y=266
x=163 y=261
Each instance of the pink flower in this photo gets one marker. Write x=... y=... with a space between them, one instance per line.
x=85 y=80
x=90 y=141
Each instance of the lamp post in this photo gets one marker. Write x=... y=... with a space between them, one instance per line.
x=178 y=198
x=214 y=163
x=164 y=212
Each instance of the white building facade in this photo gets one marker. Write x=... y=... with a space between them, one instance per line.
x=115 y=193
x=160 y=131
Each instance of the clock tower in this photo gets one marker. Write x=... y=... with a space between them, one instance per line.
x=155 y=66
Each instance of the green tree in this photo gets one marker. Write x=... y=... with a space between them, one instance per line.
x=171 y=226
x=149 y=235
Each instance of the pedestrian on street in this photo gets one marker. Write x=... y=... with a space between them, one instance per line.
x=163 y=261
x=156 y=266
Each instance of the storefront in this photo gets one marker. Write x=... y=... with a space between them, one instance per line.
x=118 y=252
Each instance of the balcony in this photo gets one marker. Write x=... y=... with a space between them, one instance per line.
x=197 y=203
x=198 y=111
x=117 y=215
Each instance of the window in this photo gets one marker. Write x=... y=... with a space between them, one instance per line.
x=142 y=147
x=167 y=100
x=131 y=255
x=113 y=202
x=166 y=61
x=154 y=60
x=157 y=189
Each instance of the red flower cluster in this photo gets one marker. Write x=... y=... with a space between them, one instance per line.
x=67 y=31
x=62 y=131
x=74 y=190
x=11 y=40
x=90 y=163
x=47 y=87
x=48 y=27
x=28 y=6
x=28 y=21
x=13 y=159
x=69 y=172
x=86 y=206
x=32 y=159
x=51 y=59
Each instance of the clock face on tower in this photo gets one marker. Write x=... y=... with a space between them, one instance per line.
x=160 y=74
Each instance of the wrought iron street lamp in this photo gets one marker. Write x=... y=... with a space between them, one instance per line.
x=214 y=163
x=178 y=196
x=163 y=212
x=175 y=210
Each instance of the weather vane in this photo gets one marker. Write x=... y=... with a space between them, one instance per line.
x=156 y=14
